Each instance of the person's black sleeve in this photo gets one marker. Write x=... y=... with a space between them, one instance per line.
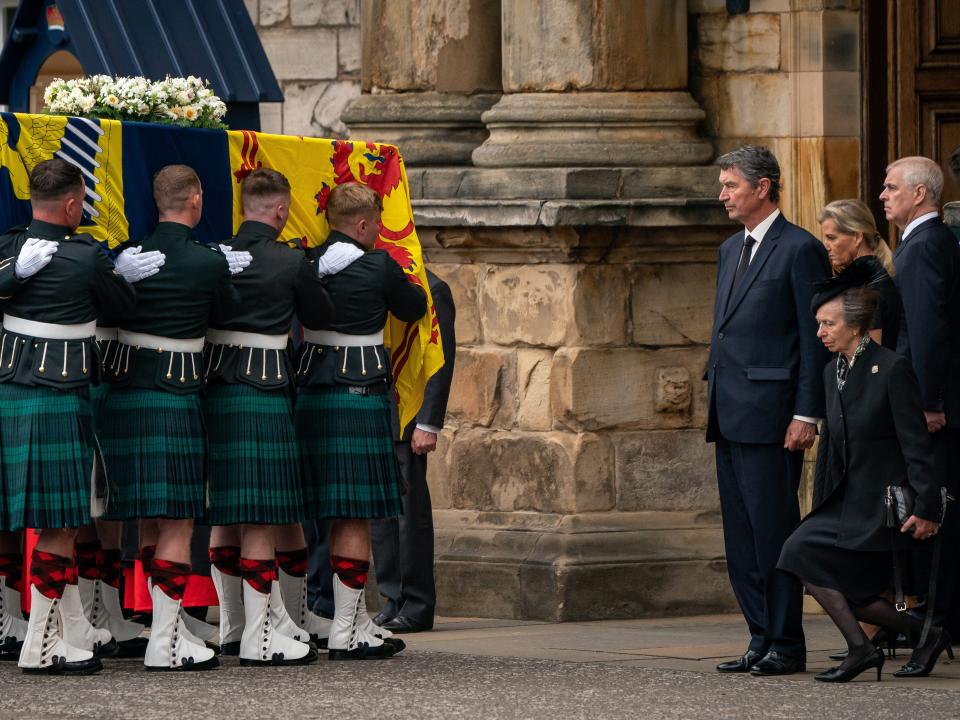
x=114 y=295
x=903 y=393
x=405 y=300
x=924 y=291
x=437 y=392
x=314 y=307
x=8 y=278
x=823 y=486
x=225 y=302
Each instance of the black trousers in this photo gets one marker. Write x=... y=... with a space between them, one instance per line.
x=758 y=486
x=319 y=574
x=403 y=547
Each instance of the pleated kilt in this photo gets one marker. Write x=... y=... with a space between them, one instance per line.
x=98 y=398
x=154 y=449
x=349 y=465
x=46 y=457
x=252 y=456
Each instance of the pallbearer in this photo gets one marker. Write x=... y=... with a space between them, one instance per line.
x=255 y=484
x=47 y=361
x=152 y=431
x=343 y=407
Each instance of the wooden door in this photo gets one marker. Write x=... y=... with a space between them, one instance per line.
x=929 y=77
x=911 y=60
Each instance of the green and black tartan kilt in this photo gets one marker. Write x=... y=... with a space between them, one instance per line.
x=154 y=449
x=253 y=460
x=46 y=457
x=98 y=398
x=349 y=465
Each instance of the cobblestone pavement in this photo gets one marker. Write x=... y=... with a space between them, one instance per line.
x=498 y=669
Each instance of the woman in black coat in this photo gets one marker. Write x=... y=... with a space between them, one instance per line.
x=873 y=436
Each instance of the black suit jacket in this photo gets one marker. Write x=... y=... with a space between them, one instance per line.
x=765 y=361
x=437 y=392
x=874 y=435
x=928 y=277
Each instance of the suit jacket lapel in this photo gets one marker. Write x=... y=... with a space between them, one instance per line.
x=913 y=234
x=767 y=246
x=725 y=281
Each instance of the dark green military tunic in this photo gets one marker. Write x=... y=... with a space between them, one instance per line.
x=254 y=462
x=343 y=409
x=152 y=428
x=46 y=435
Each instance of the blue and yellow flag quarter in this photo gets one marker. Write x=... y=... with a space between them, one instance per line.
x=119 y=159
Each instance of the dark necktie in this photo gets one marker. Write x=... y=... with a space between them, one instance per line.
x=745 y=253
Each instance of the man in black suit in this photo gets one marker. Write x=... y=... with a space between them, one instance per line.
x=765 y=387
x=928 y=278
x=403 y=547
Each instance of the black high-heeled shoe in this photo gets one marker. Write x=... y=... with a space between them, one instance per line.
x=938 y=641
x=842 y=675
x=883 y=636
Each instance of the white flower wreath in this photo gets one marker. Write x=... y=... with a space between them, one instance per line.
x=187 y=102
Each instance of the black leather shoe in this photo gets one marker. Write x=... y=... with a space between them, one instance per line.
x=937 y=642
x=842 y=675
x=382 y=618
x=778 y=663
x=742 y=664
x=402 y=624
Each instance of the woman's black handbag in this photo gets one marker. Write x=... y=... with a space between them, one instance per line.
x=898 y=504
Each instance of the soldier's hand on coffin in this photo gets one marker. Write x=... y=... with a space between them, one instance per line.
x=35 y=255
x=133 y=265
x=236 y=259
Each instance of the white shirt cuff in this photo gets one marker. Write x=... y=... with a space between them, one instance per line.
x=428 y=428
x=805 y=419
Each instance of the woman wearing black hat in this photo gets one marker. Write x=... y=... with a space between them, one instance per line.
x=873 y=436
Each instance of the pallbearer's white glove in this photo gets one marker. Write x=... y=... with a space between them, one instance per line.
x=34 y=256
x=236 y=259
x=133 y=265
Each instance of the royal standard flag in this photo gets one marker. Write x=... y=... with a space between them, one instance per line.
x=119 y=159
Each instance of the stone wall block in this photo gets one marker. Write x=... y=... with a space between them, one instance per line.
x=594 y=388
x=349 y=50
x=443 y=45
x=440 y=471
x=297 y=55
x=673 y=304
x=529 y=305
x=533 y=383
x=273 y=12
x=560 y=45
x=600 y=306
x=324 y=12
x=464 y=282
x=763 y=103
x=540 y=472
x=674 y=393
x=313 y=109
x=669 y=470
x=475 y=395
x=739 y=43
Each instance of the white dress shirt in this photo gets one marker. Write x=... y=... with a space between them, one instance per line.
x=760 y=231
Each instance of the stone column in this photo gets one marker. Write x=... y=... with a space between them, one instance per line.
x=594 y=82
x=429 y=70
